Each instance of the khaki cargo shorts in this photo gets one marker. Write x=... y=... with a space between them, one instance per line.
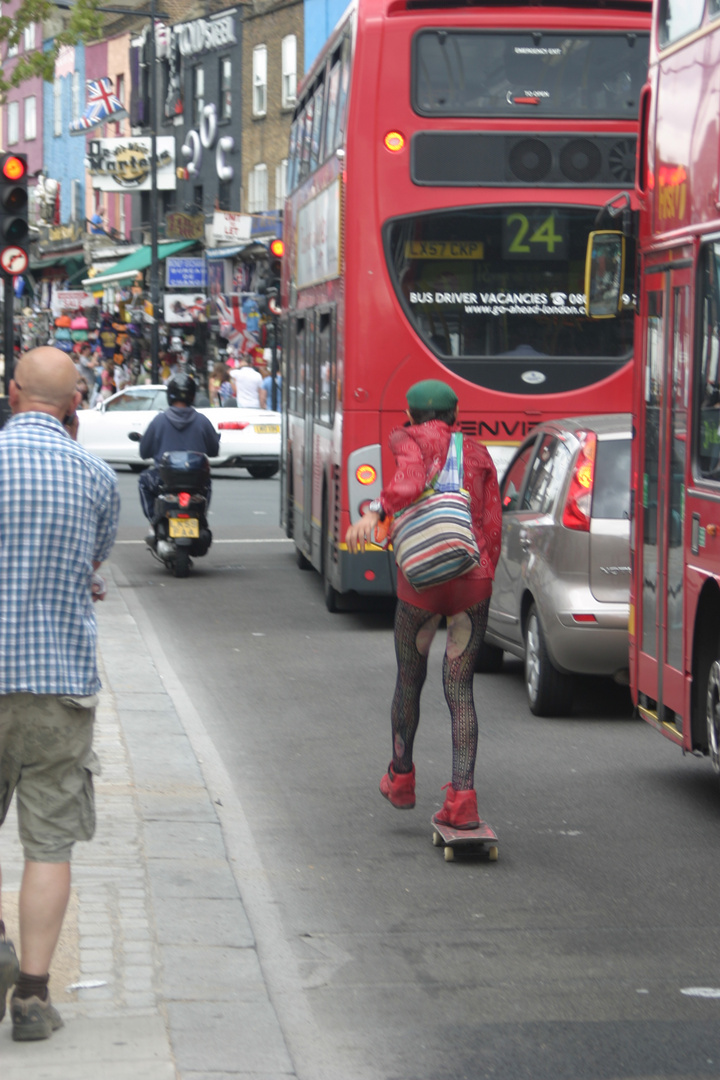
x=46 y=756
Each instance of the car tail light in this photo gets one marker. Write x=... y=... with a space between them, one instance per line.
x=184 y=499
x=232 y=425
x=585 y=616
x=576 y=514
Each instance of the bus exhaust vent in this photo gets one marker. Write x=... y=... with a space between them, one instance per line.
x=475 y=159
x=622 y=161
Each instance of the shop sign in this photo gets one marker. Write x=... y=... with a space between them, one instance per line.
x=179 y=226
x=125 y=164
x=231 y=226
x=57 y=233
x=204 y=35
x=190 y=273
x=184 y=307
x=267 y=224
x=205 y=139
x=72 y=299
x=318 y=242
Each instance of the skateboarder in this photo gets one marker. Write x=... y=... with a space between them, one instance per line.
x=420 y=451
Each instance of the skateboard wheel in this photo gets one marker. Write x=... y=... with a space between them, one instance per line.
x=437 y=839
x=493 y=853
x=449 y=854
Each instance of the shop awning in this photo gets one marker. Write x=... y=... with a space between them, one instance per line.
x=130 y=266
x=73 y=259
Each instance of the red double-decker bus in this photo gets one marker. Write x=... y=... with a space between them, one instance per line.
x=446 y=163
x=675 y=602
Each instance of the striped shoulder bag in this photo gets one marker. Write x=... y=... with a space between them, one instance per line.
x=433 y=538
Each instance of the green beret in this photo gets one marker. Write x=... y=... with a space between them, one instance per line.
x=431 y=394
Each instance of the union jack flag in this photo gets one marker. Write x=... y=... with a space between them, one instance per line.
x=233 y=324
x=102 y=105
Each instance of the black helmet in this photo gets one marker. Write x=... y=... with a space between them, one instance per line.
x=181 y=388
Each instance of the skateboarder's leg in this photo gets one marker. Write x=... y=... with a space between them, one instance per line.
x=466 y=631
x=415 y=629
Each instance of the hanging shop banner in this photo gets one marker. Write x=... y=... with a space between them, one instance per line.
x=318 y=242
x=71 y=300
x=184 y=307
x=125 y=164
x=179 y=226
x=231 y=226
x=189 y=273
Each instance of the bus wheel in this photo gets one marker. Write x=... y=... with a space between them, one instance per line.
x=332 y=596
x=302 y=561
x=713 y=715
x=549 y=691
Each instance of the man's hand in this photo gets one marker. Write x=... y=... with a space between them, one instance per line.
x=362 y=532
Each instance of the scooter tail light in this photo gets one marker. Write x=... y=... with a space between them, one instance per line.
x=578 y=503
x=184 y=499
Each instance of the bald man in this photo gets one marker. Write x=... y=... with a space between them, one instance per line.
x=59 y=508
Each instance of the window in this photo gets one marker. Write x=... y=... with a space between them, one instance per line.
x=611 y=489
x=57 y=106
x=677 y=18
x=257 y=190
x=289 y=70
x=316 y=149
x=225 y=88
x=76 y=95
x=29 y=38
x=13 y=50
x=259 y=72
x=293 y=171
x=325 y=400
x=466 y=73
x=331 y=107
x=514 y=477
x=198 y=95
x=548 y=472
x=708 y=427
x=30 y=110
x=13 y=122
x=281 y=191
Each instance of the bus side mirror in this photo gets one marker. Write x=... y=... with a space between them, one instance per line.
x=604 y=274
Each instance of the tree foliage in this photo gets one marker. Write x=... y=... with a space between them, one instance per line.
x=81 y=21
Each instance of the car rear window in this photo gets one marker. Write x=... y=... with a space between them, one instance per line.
x=611 y=491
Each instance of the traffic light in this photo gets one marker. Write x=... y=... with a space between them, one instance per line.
x=13 y=201
x=277 y=250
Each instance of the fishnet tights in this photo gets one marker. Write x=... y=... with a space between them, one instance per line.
x=414 y=632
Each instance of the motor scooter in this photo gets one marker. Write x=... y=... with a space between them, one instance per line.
x=179 y=526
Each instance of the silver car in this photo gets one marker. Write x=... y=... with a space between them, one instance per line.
x=561 y=594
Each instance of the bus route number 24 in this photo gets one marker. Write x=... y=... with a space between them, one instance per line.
x=533 y=237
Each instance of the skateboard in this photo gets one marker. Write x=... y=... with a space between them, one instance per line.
x=482 y=839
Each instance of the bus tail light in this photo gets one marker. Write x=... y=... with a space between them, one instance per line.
x=578 y=504
x=394 y=141
x=366 y=474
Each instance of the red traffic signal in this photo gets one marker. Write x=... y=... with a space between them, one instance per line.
x=14 y=167
x=13 y=199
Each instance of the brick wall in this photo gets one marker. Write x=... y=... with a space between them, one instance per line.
x=265 y=139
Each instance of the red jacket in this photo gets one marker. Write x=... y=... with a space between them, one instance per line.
x=420 y=452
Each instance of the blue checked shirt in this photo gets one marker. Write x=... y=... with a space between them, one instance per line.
x=59 y=509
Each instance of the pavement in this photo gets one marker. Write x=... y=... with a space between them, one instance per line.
x=158 y=974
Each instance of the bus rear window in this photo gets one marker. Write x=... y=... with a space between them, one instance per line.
x=479 y=73
x=501 y=289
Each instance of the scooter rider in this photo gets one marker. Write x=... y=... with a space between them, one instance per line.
x=179 y=427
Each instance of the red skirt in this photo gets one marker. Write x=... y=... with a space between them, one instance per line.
x=448 y=599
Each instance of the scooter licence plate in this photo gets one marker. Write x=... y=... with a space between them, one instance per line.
x=184 y=528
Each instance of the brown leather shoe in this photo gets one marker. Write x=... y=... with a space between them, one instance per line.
x=33 y=1019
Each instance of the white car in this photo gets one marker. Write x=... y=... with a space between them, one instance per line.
x=249 y=438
